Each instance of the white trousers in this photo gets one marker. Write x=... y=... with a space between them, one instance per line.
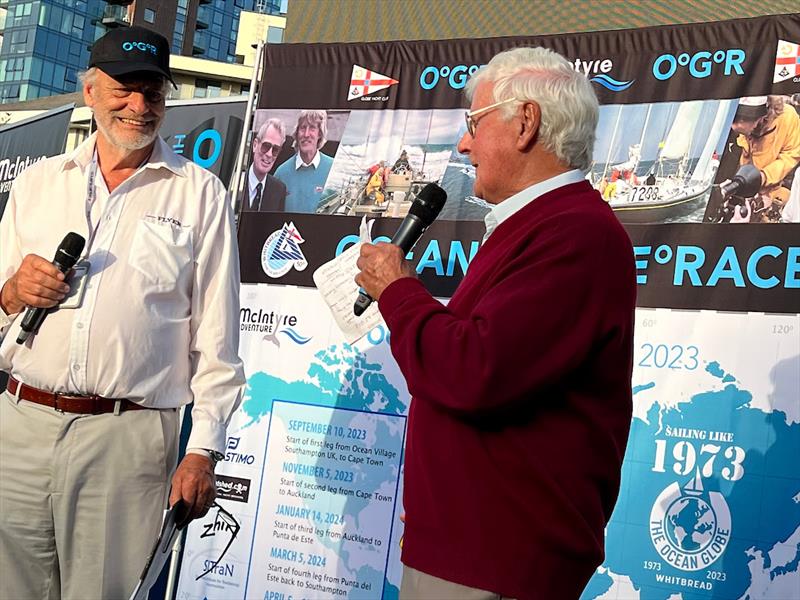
x=81 y=498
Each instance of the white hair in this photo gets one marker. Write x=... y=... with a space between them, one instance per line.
x=567 y=101
x=89 y=77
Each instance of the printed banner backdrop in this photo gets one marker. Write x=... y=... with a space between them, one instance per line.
x=207 y=133
x=26 y=142
x=310 y=493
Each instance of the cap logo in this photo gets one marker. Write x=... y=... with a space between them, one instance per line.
x=128 y=46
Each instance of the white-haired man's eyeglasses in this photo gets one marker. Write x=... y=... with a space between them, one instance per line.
x=470 y=115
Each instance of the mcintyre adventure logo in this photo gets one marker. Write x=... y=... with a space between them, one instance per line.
x=598 y=71
x=10 y=169
x=272 y=324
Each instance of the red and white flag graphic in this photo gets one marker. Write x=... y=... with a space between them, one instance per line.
x=787 y=61
x=364 y=82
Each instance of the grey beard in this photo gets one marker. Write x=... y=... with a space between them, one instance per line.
x=141 y=141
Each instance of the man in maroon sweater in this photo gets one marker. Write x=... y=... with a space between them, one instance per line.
x=522 y=384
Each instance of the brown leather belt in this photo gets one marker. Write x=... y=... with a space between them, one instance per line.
x=69 y=403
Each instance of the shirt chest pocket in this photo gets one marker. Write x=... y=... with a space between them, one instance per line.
x=161 y=252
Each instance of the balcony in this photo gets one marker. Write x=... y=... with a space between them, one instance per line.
x=115 y=15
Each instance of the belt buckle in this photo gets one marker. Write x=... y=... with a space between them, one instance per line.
x=56 y=396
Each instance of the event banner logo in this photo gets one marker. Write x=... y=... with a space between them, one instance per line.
x=787 y=61
x=271 y=324
x=364 y=82
x=702 y=64
x=689 y=526
x=236 y=489
x=10 y=169
x=282 y=251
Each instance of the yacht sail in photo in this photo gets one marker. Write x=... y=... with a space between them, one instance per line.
x=675 y=182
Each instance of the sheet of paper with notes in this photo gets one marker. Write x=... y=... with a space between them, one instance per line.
x=335 y=280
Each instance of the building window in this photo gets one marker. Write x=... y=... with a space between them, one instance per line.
x=14 y=65
x=206 y=88
x=149 y=15
x=78 y=23
x=11 y=91
x=274 y=35
x=75 y=51
x=19 y=40
x=175 y=93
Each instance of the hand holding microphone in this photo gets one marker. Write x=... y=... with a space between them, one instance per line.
x=39 y=284
x=382 y=264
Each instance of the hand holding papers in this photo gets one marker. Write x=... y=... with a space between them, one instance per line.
x=175 y=519
x=335 y=280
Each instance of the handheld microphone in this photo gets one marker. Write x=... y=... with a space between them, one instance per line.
x=424 y=210
x=68 y=253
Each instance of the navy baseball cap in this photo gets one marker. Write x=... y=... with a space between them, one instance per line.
x=131 y=50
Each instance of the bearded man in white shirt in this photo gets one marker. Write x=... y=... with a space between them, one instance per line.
x=89 y=423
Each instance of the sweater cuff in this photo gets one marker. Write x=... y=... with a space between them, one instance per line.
x=396 y=293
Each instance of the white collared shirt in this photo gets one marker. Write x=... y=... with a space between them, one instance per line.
x=299 y=164
x=509 y=206
x=159 y=321
x=253 y=183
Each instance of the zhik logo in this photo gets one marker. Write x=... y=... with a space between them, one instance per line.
x=364 y=82
x=227 y=527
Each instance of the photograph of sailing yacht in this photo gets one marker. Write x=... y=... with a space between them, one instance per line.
x=653 y=163
x=385 y=158
x=656 y=163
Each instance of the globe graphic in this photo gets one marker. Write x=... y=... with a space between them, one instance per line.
x=690 y=523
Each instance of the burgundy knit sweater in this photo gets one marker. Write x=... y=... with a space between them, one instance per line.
x=521 y=401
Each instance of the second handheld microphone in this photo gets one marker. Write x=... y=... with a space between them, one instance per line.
x=424 y=210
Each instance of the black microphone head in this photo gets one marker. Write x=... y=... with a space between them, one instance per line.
x=428 y=204
x=69 y=251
